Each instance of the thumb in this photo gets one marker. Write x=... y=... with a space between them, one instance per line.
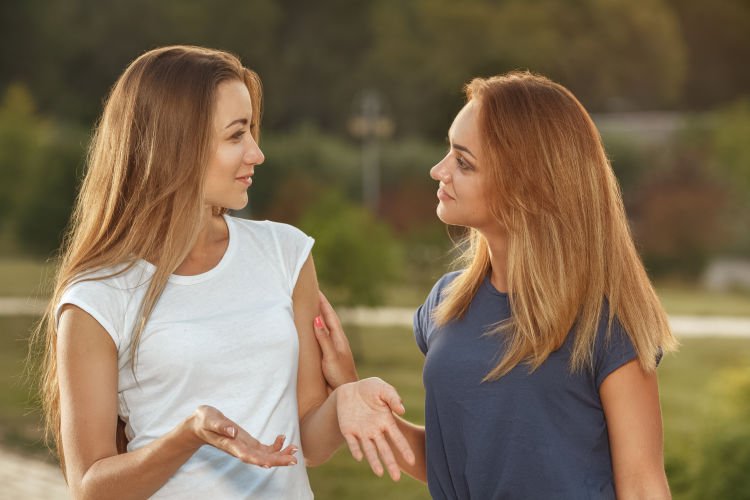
x=393 y=400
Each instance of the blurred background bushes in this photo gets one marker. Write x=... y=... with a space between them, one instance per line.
x=687 y=191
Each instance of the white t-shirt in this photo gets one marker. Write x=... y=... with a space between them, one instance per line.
x=224 y=338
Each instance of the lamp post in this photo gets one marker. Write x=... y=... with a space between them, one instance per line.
x=370 y=125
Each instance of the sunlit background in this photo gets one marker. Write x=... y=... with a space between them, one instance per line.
x=359 y=96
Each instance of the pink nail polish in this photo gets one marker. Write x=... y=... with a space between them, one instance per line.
x=318 y=322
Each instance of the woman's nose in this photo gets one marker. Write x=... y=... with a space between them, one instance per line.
x=439 y=172
x=254 y=155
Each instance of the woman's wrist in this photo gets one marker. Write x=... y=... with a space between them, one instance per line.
x=185 y=437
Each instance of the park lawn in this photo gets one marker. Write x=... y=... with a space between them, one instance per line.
x=692 y=301
x=688 y=384
x=19 y=427
x=24 y=277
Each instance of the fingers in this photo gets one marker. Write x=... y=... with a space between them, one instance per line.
x=372 y=457
x=330 y=318
x=401 y=444
x=389 y=460
x=268 y=456
x=324 y=338
x=251 y=451
x=354 y=448
x=279 y=443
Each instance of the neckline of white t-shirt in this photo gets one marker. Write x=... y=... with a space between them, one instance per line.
x=180 y=279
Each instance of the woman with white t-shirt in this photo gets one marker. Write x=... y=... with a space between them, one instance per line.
x=185 y=325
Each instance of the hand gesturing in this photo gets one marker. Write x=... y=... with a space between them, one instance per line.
x=210 y=426
x=366 y=419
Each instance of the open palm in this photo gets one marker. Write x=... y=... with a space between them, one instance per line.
x=365 y=413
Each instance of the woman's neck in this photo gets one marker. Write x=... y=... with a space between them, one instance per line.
x=209 y=247
x=497 y=241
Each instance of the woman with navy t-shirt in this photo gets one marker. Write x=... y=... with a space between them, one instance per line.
x=540 y=353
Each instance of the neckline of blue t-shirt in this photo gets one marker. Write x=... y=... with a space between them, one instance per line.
x=487 y=283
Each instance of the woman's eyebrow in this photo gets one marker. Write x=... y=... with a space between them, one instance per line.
x=464 y=149
x=238 y=120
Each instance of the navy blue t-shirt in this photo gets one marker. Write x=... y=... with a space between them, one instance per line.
x=525 y=436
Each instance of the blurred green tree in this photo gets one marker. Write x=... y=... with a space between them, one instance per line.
x=611 y=54
x=22 y=136
x=315 y=58
x=725 y=457
x=355 y=255
x=38 y=174
x=717 y=38
x=729 y=139
x=731 y=143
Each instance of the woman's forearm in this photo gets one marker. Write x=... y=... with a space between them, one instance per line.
x=320 y=432
x=137 y=474
x=415 y=435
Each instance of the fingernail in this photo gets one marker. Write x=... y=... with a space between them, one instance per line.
x=293 y=462
x=231 y=431
x=294 y=450
x=318 y=322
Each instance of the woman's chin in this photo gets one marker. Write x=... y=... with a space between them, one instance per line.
x=444 y=215
x=237 y=204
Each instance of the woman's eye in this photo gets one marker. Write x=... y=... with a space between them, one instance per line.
x=462 y=163
x=238 y=135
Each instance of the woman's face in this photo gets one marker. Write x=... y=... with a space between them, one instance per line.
x=235 y=152
x=461 y=194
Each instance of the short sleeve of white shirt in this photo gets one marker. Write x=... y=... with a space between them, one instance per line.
x=293 y=247
x=103 y=301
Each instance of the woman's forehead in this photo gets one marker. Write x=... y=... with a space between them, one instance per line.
x=232 y=102
x=465 y=126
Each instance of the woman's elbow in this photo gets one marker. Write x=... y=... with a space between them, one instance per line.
x=316 y=460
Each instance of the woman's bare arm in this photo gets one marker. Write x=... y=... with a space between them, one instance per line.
x=630 y=398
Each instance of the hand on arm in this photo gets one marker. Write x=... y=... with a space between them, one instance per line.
x=87 y=374
x=360 y=411
x=339 y=369
x=630 y=397
x=338 y=361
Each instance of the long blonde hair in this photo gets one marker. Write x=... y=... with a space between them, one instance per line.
x=569 y=247
x=142 y=194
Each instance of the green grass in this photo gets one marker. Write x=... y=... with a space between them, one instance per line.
x=19 y=423
x=688 y=384
x=697 y=302
x=24 y=278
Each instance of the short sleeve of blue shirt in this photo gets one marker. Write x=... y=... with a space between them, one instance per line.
x=611 y=351
x=423 y=315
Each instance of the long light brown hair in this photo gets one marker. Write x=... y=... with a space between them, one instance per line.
x=569 y=248
x=142 y=194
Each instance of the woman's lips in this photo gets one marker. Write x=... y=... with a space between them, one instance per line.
x=444 y=196
x=245 y=180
